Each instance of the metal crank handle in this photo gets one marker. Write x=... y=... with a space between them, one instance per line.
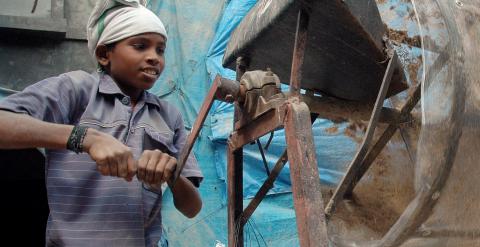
x=222 y=89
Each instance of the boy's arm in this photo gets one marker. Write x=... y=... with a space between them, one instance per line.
x=23 y=131
x=186 y=197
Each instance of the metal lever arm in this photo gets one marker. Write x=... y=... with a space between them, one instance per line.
x=222 y=89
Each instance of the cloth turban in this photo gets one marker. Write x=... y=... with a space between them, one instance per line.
x=115 y=20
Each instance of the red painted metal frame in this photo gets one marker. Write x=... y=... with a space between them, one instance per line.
x=307 y=197
x=235 y=196
x=235 y=176
x=202 y=115
x=304 y=172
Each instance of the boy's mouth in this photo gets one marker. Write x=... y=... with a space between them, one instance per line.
x=150 y=71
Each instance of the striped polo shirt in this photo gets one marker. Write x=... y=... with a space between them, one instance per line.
x=86 y=208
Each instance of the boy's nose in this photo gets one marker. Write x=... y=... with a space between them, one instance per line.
x=153 y=58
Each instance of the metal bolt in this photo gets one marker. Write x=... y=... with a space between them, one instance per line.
x=459 y=3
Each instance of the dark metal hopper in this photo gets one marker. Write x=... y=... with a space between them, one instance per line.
x=345 y=55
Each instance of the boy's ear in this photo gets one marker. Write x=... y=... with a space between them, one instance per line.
x=102 y=55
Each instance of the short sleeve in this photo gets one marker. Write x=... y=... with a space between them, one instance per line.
x=53 y=100
x=191 y=169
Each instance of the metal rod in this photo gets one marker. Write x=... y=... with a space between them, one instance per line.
x=382 y=141
x=202 y=115
x=299 y=51
x=235 y=175
x=270 y=138
x=265 y=164
x=411 y=102
x=235 y=196
x=192 y=137
x=360 y=155
x=267 y=185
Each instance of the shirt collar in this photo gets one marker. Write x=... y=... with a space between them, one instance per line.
x=108 y=86
x=150 y=98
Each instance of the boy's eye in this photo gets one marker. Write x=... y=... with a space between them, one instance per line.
x=139 y=46
x=160 y=50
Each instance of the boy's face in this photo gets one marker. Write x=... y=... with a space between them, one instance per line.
x=135 y=63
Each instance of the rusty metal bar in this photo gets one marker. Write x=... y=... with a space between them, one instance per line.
x=235 y=196
x=270 y=138
x=235 y=175
x=382 y=141
x=267 y=185
x=307 y=197
x=258 y=128
x=405 y=111
x=202 y=115
x=360 y=155
x=299 y=51
x=264 y=160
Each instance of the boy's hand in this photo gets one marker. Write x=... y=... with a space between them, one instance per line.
x=113 y=158
x=155 y=167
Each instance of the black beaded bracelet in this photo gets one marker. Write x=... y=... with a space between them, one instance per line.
x=75 y=141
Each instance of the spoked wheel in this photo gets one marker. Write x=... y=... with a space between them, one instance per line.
x=437 y=146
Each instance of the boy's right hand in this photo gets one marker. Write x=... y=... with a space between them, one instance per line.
x=113 y=158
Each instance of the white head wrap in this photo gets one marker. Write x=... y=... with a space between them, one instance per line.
x=114 y=20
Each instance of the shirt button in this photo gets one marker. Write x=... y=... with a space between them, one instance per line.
x=126 y=100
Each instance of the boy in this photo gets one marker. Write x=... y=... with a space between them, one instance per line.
x=109 y=143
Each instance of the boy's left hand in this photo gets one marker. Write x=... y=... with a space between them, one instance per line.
x=155 y=167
